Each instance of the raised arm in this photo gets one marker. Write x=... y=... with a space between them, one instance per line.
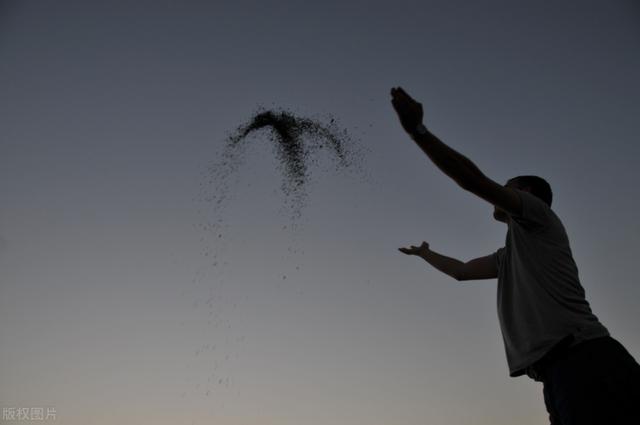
x=455 y=165
x=476 y=269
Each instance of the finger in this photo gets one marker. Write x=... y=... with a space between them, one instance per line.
x=401 y=102
x=404 y=95
x=398 y=93
x=396 y=99
x=399 y=105
x=401 y=92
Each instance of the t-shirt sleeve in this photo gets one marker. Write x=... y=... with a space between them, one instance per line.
x=535 y=212
x=499 y=257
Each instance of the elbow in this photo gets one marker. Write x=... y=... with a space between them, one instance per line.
x=474 y=182
x=460 y=273
x=467 y=183
x=464 y=183
x=470 y=184
x=459 y=276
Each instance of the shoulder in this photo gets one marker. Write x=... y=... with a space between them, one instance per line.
x=501 y=196
x=534 y=212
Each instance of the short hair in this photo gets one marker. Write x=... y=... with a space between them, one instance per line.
x=539 y=187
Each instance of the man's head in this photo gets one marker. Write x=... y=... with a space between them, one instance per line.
x=535 y=185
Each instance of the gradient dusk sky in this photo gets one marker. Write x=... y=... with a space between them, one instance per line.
x=118 y=304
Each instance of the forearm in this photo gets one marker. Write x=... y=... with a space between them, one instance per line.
x=445 y=264
x=453 y=164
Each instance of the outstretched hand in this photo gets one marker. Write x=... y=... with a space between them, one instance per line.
x=409 y=111
x=416 y=250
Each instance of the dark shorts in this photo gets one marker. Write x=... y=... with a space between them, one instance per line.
x=594 y=382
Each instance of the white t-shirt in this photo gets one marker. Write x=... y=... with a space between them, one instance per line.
x=540 y=298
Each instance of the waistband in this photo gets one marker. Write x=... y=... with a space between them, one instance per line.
x=537 y=370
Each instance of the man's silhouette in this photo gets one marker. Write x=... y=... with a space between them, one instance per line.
x=549 y=331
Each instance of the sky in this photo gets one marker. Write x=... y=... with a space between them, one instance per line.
x=119 y=302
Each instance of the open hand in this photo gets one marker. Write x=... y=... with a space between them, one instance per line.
x=409 y=111
x=416 y=250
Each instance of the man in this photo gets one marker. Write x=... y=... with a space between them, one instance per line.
x=548 y=329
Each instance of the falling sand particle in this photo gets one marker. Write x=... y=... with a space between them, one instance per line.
x=296 y=141
x=301 y=146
